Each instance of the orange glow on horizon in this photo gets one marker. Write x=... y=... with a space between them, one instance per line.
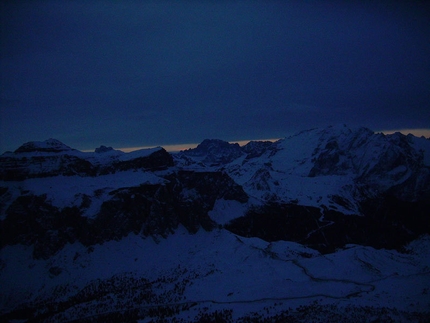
x=415 y=132
x=179 y=147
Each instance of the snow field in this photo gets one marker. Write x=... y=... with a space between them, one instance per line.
x=224 y=268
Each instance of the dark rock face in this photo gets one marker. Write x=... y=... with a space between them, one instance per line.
x=380 y=163
x=219 y=152
x=388 y=222
x=215 y=151
x=47 y=146
x=259 y=180
x=31 y=220
x=157 y=210
x=158 y=160
x=103 y=149
x=18 y=166
x=255 y=149
x=132 y=210
x=212 y=186
x=327 y=161
x=149 y=210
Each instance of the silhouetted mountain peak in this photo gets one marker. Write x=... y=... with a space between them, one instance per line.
x=103 y=149
x=49 y=145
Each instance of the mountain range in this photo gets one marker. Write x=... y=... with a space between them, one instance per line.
x=328 y=224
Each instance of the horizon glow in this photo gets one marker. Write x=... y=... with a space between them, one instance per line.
x=416 y=132
x=180 y=147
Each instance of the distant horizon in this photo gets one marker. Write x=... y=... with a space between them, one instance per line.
x=184 y=146
x=416 y=132
x=176 y=148
x=419 y=132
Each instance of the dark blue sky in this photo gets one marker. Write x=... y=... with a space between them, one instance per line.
x=143 y=73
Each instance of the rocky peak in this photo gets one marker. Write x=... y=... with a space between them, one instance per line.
x=47 y=146
x=376 y=161
x=215 y=151
x=256 y=148
x=103 y=149
x=213 y=146
x=53 y=158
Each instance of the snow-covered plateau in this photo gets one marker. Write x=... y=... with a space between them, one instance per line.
x=328 y=225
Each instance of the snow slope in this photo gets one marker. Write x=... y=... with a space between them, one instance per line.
x=320 y=167
x=213 y=270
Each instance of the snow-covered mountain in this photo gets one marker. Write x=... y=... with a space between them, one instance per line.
x=335 y=161
x=326 y=223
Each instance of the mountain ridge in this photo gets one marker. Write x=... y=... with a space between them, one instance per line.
x=333 y=172
x=348 y=195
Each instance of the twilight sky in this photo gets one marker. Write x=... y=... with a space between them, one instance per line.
x=147 y=73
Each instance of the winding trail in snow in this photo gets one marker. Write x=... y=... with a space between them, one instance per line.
x=337 y=280
x=191 y=303
x=365 y=288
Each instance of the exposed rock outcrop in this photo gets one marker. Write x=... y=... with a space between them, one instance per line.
x=152 y=210
x=53 y=158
